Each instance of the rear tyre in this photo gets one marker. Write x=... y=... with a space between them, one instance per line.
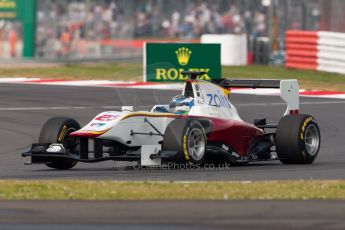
x=188 y=138
x=57 y=130
x=297 y=139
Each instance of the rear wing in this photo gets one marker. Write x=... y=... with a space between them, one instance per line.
x=289 y=89
x=247 y=83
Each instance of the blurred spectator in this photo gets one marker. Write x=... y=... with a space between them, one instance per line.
x=12 y=37
x=259 y=23
x=65 y=41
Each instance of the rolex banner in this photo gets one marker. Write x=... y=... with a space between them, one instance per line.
x=166 y=61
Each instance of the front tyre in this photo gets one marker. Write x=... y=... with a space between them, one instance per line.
x=57 y=130
x=188 y=138
x=297 y=139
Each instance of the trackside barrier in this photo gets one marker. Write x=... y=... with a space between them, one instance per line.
x=233 y=47
x=301 y=49
x=316 y=50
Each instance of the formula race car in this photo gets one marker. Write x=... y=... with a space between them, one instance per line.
x=199 y=126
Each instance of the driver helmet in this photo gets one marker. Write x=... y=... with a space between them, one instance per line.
x=181 y=104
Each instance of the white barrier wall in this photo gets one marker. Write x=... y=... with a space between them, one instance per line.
x=233 y=47
x=331 y=52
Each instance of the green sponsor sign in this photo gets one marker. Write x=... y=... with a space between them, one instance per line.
x=166 y=61
x=24 y=11
x=8 y=9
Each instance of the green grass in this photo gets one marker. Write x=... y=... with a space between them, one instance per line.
x=111 y=71
x=112 y=190
x=133 y=71
x=307 y=79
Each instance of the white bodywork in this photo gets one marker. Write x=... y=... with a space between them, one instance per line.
x=118 y=126
x=210 y=100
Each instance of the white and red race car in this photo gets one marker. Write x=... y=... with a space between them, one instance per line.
x=200 y=126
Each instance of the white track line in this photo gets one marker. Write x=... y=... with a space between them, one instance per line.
x=134 y=85
x=17 y=79
x=301 y=103
x=150 y=106
x=66 y=108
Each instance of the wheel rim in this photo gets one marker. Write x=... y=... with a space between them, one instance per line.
x=312 y=139
x=196 y=144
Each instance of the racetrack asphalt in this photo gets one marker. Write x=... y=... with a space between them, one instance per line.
x=169 y=215
x=25 y=108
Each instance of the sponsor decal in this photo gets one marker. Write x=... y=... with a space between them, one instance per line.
x=183 y=55
x=97 y=125
x=55 y=148
x=106 y=117
x=8 y=9
x=8 y=4
x=176 y=74
x=167 y=61
x=185 y=150
x=306 y=122
x=8 y=15
x=62 y=133
x=218 y=100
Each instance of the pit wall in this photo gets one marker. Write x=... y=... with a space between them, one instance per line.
x=316 y=50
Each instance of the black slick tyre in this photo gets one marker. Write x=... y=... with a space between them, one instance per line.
x=57 y=130
x=297 y=139
x=188 y=138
